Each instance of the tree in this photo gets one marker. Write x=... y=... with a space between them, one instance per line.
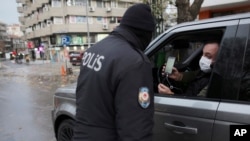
x=185 y=12
x=158 y=7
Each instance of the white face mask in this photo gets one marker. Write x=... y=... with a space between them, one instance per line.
x=205 y=64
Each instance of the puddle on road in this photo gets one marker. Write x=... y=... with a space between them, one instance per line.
x=44 y=81
x=51 y=82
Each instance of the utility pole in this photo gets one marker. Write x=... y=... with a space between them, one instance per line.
x=87 y=20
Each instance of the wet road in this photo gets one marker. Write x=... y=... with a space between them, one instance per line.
x=26 y=100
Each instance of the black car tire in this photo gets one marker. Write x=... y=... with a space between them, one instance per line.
x=65 y=130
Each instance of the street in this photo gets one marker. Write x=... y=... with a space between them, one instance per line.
x=26 y=99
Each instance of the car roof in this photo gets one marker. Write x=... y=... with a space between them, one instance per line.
x=200 y=22
x=215 y=19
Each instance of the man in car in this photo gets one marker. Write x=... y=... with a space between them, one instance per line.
x=199 y=79
x=114 y=94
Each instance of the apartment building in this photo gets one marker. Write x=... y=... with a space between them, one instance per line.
x=3 y=37
x=14 y=29
x=15 y=39
x=10 y=39
x=75 y=24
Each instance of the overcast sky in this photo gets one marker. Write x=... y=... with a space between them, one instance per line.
x=8 y=12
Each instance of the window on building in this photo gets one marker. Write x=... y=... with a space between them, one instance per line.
x=90 y=20
x=56 y=3
x=80 y=2
x=99 y=20
x=112 y=20
x=122 y=4
x=92 y=39
x=43 y=24
x=119 y=19
x=99 y=3
x=107 y=4
x=81 y=19
x=58 y=20
x=113 y=3
x=72 y=19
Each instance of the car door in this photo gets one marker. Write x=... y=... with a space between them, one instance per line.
x=234 y=71
x=185 y=118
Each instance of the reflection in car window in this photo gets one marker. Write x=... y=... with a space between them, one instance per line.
x=230 y=80
x=245 y=81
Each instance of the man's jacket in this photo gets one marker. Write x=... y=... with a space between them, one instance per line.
x=112 y=74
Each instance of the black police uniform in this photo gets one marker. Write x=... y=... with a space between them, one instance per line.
x=112 y=74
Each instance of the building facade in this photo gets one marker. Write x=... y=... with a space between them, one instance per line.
x=51 y=25
x=215 y=8
x=5 y=44
x=10 y=40
x=15 y=40
x=14 y=29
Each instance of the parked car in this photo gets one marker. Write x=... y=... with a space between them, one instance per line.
x=75 y=58
x=181 y=117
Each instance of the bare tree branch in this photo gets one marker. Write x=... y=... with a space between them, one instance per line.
x=195 y=7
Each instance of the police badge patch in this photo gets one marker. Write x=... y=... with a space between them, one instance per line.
x=143 y=97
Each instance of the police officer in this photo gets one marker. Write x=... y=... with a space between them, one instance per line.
x=114 y=94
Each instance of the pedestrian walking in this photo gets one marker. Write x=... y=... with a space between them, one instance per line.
x=114 y=94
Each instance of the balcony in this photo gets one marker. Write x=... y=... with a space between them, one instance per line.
x=29 y=35
x=21 y=19
x=21 y=1
x=20 y=9
x=115 y=12
x=42 y=32
x=72 y=10
x=44 y=16
x=44 y=1
x=59 y=28
x=56 y=11
x=34 y=6
x=23 y=28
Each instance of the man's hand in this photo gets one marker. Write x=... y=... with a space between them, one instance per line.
x=175 y=75
x=162 y=89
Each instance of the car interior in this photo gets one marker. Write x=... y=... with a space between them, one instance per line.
x=186 y=48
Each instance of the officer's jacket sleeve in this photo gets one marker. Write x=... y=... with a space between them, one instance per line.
x=134 y=123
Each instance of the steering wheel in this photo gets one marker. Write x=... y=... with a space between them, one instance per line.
x=172 y=84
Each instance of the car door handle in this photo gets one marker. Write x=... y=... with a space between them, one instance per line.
x=181 y=129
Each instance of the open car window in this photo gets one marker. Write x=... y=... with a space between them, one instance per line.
x=186 y=48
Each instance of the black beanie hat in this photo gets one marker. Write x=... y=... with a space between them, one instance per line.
x=139 y=16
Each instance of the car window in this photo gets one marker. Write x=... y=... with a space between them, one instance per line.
x=244 y=93
x=187 y=48
x=231 y=77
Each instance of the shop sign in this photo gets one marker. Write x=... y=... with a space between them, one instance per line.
x=66 y=40
x=77 y=40
x=57 y=48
